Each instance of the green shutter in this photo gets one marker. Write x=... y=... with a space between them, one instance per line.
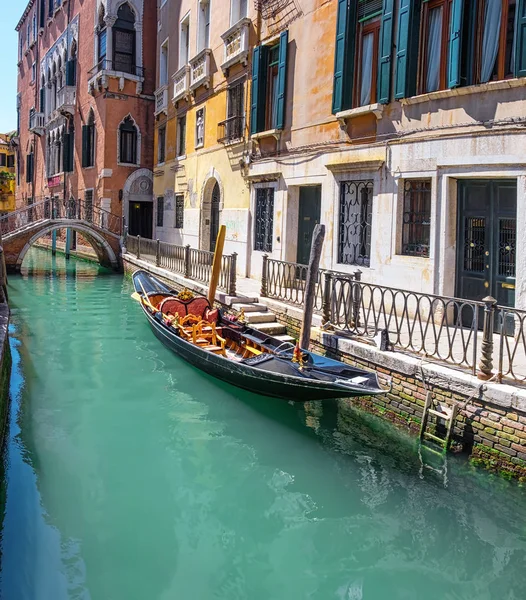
x=282 y=80
x=67 y=152
x=85 y=151
x=455 y=44
x=42 y=100
x=344 y=55
x=407 y=48
x=520 y=40
x=71 y=72
x=259 y=87
x=384 y=58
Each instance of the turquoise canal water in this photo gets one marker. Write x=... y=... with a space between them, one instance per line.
x=129 y=475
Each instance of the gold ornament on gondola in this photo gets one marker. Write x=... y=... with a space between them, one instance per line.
x=185 y=295
x=297 y=356
x=241 y=317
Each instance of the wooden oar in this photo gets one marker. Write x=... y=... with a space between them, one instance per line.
x=216 y=264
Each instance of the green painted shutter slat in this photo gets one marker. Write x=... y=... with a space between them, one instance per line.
x=71 y=72
x=520 y=40
x=42 y=100
x=85 y=134
x=385 y=51
x=344 y=55
x=282 y=80
x=455 y=44
x=407 y=48
x=65 y=153
x=259 y=86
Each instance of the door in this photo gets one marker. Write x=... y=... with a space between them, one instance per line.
x=309 y=216
x=487 y=215
x=140 y=217
x=214 y=217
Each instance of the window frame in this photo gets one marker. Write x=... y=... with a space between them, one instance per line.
x=408 y=228
x=159 y=212
x=184 y=35
x=271 y=90
x=264 y=224
x=364 y=235
x=203 y=34
x=161 y=147
x=128 y=135
x=370 y=26
x=179 y=211
x=164 y=80
x=444 y=45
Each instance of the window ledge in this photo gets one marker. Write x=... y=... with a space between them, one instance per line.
x=275 y=133
x=121 y=164
x=182 y=157
x=480 y=88
x=198 y=146
x=377 y=109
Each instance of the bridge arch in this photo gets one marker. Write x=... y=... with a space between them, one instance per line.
x=105 y=253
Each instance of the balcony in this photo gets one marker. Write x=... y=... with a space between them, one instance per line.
x=161 y=100
x=66 y=99
x=36 y=123
x=121 y=69
x=200 y=69
x=236 y=44
x=231 y=130
x=181 y=81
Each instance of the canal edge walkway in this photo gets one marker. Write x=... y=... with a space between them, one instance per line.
x=491 y=422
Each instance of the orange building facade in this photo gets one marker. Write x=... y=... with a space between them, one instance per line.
x=85 y=106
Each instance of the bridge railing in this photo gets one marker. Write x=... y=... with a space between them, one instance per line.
x=54 y=209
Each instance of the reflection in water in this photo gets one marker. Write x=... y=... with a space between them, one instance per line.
x=130 y=475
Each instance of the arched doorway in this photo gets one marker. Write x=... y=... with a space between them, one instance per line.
x=138 y=203
x=214 y=216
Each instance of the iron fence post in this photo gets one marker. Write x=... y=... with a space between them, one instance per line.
x=356 y=298
x=138 y=246
x=486 y=352
x=187 y=263
x=326 y=304
x=264 y=276
x=158 y=254
x=232 y=276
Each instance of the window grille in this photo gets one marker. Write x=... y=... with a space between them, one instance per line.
x=160 y=211
x=356 y=202
x=264 y=219
x=417 y=217
x=179 y=211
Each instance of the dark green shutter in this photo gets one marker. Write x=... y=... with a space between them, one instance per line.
x=259 y=86
x=384 y=58
x=520 y=40
x=407 y=48
x=67 y=152
x=85 y=151
x=344 y=55
x=42 y=14
x=282 y=80
x=42 y=100
x=71 y=72
x=455 y=44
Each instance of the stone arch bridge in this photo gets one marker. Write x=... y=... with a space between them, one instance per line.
x=22 y=228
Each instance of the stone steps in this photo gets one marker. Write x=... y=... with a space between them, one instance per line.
x=249 y=307
x=260 y=317
x=273 y=329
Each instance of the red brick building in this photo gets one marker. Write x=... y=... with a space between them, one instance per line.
x=85 y=105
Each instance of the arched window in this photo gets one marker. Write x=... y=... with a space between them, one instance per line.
x=102 y=39
x=128 y=142
x=88 y=141
x=124 y=40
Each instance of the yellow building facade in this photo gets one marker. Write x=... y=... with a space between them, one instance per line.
x=7 y=175
x=201 y=139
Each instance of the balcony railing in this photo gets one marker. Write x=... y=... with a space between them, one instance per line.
x=161 y=100
x=66 y=99
x=181 y=81
x=110 y=65
x=36 y=123
x=200 y=69
x=236 y=44
x=231 y=130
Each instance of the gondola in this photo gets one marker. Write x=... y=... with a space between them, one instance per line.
x=230 y=350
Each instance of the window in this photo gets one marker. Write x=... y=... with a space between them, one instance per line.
x=3 y=159
x=160 y=211
x=434 y=45
x=264 y=224
x=102 y=39
x=68 y=149
x=124 y=40
x=33 y=72
x=88 y=206
x=29 y=167
x=161 y=144
x=179 y=211
x=416 y=217
x=200 y=128
x=203 y=40
x=238 y=10
x=269 y=82
x=88 y=142
x=163 y=64
x=369 y=21
x=184 y=41
x=28 y=35
x=10 y=161
x=128 y=142
x=356 y=203
x=234 y=126
x=181 y=136
x=35 y=31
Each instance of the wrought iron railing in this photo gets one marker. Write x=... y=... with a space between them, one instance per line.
x=231 y=129
x=54 y=209
x=511 y=327
x=189 y=262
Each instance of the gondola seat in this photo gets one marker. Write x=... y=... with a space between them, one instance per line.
x=200 y=307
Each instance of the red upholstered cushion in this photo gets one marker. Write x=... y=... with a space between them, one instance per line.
x=211 y=315
x=173 y=306
x=197 y=307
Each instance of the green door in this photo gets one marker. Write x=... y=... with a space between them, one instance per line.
x=486 y=239
x=309 y=216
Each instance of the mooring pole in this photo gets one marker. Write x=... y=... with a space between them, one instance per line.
x=216 y=264
x=68 y=243
x=310 y=284
x=54 y=243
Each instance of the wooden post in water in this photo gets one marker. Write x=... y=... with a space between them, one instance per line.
x=310 y=284
x=216 y=264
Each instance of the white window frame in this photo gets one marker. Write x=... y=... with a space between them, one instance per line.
x=202 y=7
x=235 y=11
x=164 y=46
x=184 y=40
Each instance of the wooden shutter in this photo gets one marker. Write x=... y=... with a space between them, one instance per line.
x=407 y=48
x=385 y=50
x=42 y=100
x=85 y=145
x=455 y=44
x=42 y=20
x=282 y=80
x=67 y=152
x=71 y=72
x=344 y=55
x=520 y=40
x=259 y=87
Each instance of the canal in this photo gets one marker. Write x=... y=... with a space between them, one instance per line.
x=128 y=475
